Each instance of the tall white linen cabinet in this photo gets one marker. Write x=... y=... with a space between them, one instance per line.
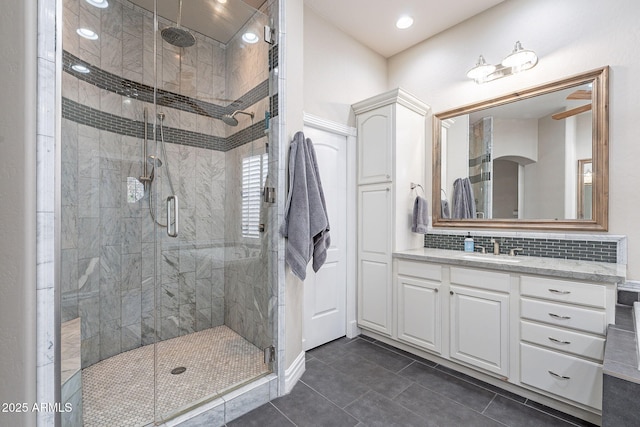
x=391 y=156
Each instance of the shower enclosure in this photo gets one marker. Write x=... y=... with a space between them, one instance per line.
x=167 y=296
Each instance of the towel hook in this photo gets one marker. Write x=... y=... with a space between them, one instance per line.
x=414 y=185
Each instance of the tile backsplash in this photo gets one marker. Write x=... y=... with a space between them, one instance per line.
x=581 y=248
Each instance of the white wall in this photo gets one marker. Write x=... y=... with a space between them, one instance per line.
x=18 y=208
x=338 y=71
x=457 y=156
x=569 y=37
x=292 y=74
x=515 y=138
x=544 y=190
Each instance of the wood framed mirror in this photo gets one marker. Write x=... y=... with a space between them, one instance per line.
x=511 y=162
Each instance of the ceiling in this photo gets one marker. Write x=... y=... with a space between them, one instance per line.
x=213 y=18
x=372 y=22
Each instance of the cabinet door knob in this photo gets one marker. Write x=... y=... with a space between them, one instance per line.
x=557 y=316
x=560 y=377
x=435 y=290
x=451 y=292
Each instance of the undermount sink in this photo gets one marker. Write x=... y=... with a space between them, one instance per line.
x=490 y=258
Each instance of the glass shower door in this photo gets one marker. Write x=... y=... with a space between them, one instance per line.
x=212 y=287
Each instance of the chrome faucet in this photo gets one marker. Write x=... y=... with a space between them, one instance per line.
x=482 y=249
x=496 y=247
x=513 y=251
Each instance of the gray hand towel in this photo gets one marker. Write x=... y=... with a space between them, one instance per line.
x=420 y=216
x=306 y=224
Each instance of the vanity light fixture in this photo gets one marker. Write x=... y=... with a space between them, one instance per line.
x=518 y=60
x=404 y=22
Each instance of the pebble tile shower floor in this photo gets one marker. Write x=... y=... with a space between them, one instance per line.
x=119 y=391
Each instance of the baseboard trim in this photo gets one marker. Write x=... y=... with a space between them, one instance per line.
x=352 y=329
x=294 y=372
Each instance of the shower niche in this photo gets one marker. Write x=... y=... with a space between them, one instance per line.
x=166 y=284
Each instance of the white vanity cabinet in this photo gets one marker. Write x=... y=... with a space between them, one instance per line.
x=390 y=147
x=479 y=319
x=562 y=332
x=538 y=335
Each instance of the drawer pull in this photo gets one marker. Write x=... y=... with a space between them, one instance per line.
x=557 y=316
x=555 y=291
x=558 y=341
x=560 y=377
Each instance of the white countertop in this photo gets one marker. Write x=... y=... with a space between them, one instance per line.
x=563 y=268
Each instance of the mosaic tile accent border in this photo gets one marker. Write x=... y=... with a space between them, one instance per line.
x=88 y=116
x=584 y=250
x=125 y=87
x=273 y=57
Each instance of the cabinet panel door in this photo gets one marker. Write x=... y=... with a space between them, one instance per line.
x=374 y=219
x=480 y=328
x=375 y=142
x=374 y=254
x=419 y=311
x=375 y=296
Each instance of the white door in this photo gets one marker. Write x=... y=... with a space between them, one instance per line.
x=325 y=291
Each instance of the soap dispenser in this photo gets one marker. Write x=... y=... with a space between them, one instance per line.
x=469 y=246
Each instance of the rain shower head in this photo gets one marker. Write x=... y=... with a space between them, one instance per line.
x=177 y=36
x=231 y=120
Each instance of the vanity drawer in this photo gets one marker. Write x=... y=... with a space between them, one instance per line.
x=484 y=279
x=563 y=340
x=566 y=376
x=564 y=291
x=567 y=316
x=420 y=269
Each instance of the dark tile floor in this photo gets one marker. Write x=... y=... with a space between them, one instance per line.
x=362 y=382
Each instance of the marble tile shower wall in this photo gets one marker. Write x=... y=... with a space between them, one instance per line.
x=248 y=296
x=107 y=241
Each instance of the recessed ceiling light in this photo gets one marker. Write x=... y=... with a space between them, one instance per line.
x=404 y=22
x=87 y=33
x=250 y=37
x=80 y=68
x=102 y=4
x=222 y=1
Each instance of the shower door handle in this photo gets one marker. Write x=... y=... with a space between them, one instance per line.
x=172 y=231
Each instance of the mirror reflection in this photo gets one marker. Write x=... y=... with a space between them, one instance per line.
x=518 y=160
x=537 y=158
